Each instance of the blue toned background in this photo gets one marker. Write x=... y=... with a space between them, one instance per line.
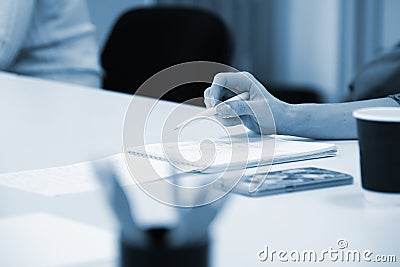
x=316 y=43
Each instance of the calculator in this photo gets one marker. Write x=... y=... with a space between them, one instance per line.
x=287 y=181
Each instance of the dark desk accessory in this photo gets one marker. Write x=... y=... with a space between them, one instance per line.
x=378 y=133
x=160 y=252
x=184 y=245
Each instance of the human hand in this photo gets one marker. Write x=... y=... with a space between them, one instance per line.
x=258 y=113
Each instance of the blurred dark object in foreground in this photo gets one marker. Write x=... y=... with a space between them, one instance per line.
x=159 y=253
x=147 y=40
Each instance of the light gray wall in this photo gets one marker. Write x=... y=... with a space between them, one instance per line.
x=105 y=12
x=391 y=22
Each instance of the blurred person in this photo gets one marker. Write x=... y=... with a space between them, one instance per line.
x=51 y=39
x=378 y=78
x=265 y=114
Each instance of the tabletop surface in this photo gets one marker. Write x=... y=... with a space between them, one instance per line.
x=46 y=124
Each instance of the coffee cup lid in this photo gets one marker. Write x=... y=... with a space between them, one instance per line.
x=384 y=114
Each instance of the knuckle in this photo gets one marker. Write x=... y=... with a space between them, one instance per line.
x=248 y=74
x=219 y=76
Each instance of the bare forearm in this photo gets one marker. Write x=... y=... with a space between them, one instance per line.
x=325 y=121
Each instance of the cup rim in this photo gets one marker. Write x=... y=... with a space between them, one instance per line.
x=378 y=114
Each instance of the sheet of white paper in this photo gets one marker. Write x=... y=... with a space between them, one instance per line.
x=63 y=180
x=46 y=240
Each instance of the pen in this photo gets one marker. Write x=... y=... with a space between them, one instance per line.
x=213 y=111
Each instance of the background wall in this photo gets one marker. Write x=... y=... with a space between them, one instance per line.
x=312 y=42
x=391 y=22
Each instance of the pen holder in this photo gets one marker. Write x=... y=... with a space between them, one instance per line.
x=160 y=253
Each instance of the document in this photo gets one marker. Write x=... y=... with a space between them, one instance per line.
x=63 y=180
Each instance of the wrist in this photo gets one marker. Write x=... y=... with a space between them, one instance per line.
x=284 y=119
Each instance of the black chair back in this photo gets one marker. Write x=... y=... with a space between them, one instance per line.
x=147 y=40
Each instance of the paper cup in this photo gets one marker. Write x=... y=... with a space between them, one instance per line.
x=379 y=140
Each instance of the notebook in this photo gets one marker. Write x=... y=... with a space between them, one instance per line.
x=216 y=155
x=79 y=177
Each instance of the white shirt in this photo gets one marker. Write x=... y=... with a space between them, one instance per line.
x=51 y=39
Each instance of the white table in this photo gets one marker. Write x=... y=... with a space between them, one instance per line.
x=46 y=124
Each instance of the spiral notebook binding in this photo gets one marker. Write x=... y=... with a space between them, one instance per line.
x=160 y=158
